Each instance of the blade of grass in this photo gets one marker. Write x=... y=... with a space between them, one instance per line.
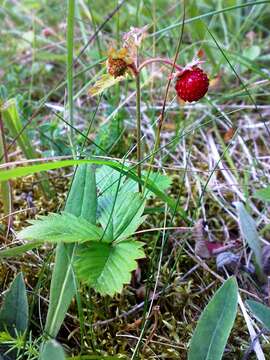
x=210 y=13
x=82 y=201
x=70 y=45
x=28 y=170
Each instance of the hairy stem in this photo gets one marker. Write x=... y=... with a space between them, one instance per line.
x=160 y=60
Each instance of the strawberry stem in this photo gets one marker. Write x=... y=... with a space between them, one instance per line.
x=160 y=60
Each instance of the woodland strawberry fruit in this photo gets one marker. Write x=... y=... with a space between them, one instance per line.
x=192 y=85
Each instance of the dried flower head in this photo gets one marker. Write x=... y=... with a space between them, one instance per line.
x=118 y=62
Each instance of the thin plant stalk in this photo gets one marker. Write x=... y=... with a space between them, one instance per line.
x=6 y=189
x=70 y=45
x=139 y=130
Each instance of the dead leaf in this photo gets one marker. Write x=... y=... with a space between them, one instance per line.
x=104 y=83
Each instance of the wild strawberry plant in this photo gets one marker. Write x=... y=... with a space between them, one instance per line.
x=105 y=252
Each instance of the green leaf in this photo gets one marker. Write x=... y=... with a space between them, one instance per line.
x=82 y=198
x=261 y=312
x=81 y=202
x=215 y=323
x=19 y=250
x=14 y=311
x=107 y=267
x=14 y=124
x=249 y=232
x=263 y=194
x=52 y=350
x=61 y=227
x=121 y=214
x=108 y=179
x=120 y=205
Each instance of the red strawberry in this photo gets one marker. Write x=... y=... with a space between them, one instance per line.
x=192 y=85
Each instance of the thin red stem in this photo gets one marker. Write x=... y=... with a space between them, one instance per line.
x=160 y=60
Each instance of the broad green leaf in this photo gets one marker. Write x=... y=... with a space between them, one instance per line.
x=105 y=82
x=61 y=227
x=107 y=267
x=263 y=194
x=261 y=312
x=52 y=350
x=249 y=232
x=14 y=311
x=121 y=214
x=81 y=202
x=215 y=323
x=108 y=180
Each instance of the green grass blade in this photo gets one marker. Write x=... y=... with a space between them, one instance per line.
x=211 y=13
x=6 y=174
x=82 y=201
x=14 y=124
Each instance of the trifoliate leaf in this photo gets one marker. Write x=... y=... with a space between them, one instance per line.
x=62 y=227
x=107 y=267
